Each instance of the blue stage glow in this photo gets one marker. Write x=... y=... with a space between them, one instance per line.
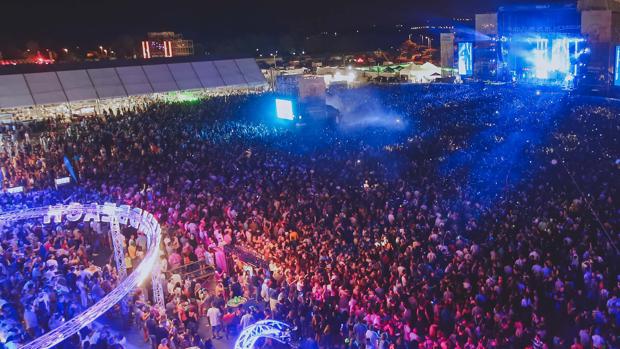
x=617 y=65
x=284 y=109
x=549 y=59
x=555 y=61
x=540 y=44
x=465 y=50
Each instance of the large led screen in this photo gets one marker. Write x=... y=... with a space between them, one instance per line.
x=284 y=109
x=465 y=58
x=617 y=65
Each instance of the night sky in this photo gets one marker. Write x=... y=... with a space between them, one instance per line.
x=86 y=22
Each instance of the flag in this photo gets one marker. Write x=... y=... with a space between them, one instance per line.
x=70 y=168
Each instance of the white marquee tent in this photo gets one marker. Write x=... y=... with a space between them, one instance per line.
x=58 y=87
x=426 y=72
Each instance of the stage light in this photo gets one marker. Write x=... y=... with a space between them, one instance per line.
x=551 y=59
x=617 y=67
x=284 y=109
x=272 y=329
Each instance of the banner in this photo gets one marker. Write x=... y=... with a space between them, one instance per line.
x=70 y=168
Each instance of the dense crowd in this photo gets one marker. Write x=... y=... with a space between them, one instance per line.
x=49 y=272
x=490 y=220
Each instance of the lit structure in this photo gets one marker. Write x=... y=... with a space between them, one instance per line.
x=446 y=50
x=465 y=61
x=115 y=215
x=570 y=44
x=423 y=73
x=540 y=44
x=617 y=67
x=272 y=329
x=35 y=59
x=486 y=46
x=166 y=44
x=28 y=93
x=600 y=26
x=284 y=109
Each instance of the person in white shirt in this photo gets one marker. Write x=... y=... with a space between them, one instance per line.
x=246 y=320
x=372 y=338
x=215 y=319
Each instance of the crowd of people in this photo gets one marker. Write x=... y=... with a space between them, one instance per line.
x=489 y=220
x=50 y=273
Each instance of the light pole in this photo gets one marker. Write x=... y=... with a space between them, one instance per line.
x=273 y=70
x=275 y=62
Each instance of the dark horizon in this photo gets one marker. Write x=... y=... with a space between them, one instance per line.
x=74 y=22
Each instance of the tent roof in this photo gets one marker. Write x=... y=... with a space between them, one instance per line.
x=54 y=87
x=427 y=67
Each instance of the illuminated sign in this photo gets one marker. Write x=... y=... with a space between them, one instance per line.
x=15 y=190
x=146 y=51
x=6 y=118
x=617 y=71
x=284 y=109
x=63 y=180
x=465 y=64
x=86 y=110
x=167 y=48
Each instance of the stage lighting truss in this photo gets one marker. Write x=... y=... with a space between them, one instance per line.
x=272 y=329
x=115 y=216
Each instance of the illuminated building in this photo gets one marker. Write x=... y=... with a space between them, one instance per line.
x=600 y=26
x=485 y=46
x=166 y=44
x=446 y=50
